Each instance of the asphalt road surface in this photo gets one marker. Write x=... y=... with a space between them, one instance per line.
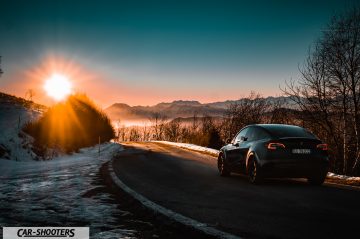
x=188 y=183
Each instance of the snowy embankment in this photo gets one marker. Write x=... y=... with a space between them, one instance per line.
x=215 y=153
x=61 y=192
x=14 y=144
x=343 y=177
x=193 y=147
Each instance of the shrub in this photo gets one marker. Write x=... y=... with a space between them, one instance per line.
x=71 y=125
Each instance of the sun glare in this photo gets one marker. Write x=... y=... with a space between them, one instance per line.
x=58 y=87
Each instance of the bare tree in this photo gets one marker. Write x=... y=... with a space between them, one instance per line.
x=329 y=89
x=134 y=134
x=29 y=95
x=158 y=121
x=279 y=114
x=118 y=129
x=1 y=71
x=172 y=130
x=249 y=110
x=195 y=123
x=313 y=96
x=146 y=134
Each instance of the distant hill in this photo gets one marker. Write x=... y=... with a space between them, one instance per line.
x=178 y=109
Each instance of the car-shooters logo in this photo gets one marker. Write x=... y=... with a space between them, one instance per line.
x=46 y=232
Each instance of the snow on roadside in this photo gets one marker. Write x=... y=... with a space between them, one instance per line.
x=61 y=192
x=212 y=152
x=343 y=177
x=12 y=118
x=215 y=152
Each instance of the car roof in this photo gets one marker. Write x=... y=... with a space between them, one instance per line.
x=272 y=126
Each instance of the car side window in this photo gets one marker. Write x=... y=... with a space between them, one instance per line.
x=262 y=134
x=242 y=133
x=251 y=134
x=256 y=134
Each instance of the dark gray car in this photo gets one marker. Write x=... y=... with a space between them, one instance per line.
x=275 y=150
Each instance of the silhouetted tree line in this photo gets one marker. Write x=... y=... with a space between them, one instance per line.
x=209 y=131
x=202 y=131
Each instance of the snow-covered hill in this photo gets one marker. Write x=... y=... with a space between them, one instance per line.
x=14 y=113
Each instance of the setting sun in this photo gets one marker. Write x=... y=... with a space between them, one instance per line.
x=58 y=87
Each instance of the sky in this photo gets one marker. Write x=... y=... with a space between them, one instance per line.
x=146 y=52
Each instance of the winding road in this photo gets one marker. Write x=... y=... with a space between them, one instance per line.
x=187 y=182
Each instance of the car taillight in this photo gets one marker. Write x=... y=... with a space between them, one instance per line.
x=322 y=147
x=274 y=146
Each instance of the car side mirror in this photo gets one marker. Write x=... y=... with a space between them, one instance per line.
x=228 y=141
x=243 y=138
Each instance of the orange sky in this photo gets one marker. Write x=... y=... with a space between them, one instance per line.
x=106 y=91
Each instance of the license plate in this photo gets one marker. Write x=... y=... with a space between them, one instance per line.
x=301 y=151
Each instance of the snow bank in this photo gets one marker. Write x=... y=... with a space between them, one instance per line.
x=14 y=144
x=343 y=177
x=86 y=157
x=213 y=152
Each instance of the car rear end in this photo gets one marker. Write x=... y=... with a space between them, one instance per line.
x=294 y=157
x=293 y=151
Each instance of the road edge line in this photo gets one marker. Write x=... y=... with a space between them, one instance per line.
x=167 y=212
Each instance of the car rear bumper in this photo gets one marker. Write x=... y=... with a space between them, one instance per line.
x=294 y=168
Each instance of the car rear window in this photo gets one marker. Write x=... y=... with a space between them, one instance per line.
x=290 y=131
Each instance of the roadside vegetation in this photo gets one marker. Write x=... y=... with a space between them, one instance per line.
x=69 y=126
x=209 y=131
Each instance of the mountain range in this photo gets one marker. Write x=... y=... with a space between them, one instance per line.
x=179 y=109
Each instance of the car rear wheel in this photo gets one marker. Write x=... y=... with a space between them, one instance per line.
x=222 y=166
x=254 y=173
x=317 y=179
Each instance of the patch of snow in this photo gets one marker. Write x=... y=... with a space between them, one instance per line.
x=61 y=192
x=213 y=152
x=115 y=234
x=342 y=177
x=12 y=119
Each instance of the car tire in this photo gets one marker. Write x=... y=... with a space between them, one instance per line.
x=254 y=173
x=317 y=179
x=223 y=167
